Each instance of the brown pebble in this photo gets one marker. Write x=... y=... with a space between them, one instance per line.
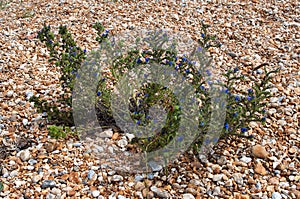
x=259 y=151
x=260 y=169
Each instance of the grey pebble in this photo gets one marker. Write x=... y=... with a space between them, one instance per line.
x=77 y=144
x=154 y=166
x=48 y=183
x=117 y=178
x=276 y=195
x=90 y=174
x=160 y=193
x=9 y=93
x=138 y=178
x=217 y=191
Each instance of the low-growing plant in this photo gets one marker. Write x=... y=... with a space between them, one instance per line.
x=243 y=106
x=59 y=131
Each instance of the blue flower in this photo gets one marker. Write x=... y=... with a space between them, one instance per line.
x=250 y=90
x=147 y=59
x=226 y=126
x=74 y=53
x=84 y=51
x=146 y=95
x=199 y=49
x=186 y=70
x=244 y=130
x=106 y=31
x=180 y=138
x=235 y=114
x=226 y=91
x=215 y=140
x=208 y=72
x=206 y=141
x=176 y=68
x=249 y=98
x=202 y=123
x=98 y=93
x=149 y=138
x=170 y=63
x=263 y=119
x=202 y=35
x=235 y=69
x=138 y=122
x=237 y=98
x=139 y=60
x=135 y=112
x=184 y=59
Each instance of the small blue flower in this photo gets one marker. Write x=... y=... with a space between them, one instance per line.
x=170 y=63
x=180 y=138
x=139 y=60
x=226 y=91
x=202 y=87
x=147 y=60
x=176 y=68
x=106 y=31
x=244 y=130
x=209 y=82
x=206 y=141
x=250 y=90
x=226 y=126
x=146 y=95
x=149 y=138
x=135 y=112
x=202 y=35
x=208 y=72
x=237 y=98
x=249 y=98
x=235 y=69
x=84 y=51
x=186 y=70
x=199 y=49
x=202 y=123
x=235 y=114
x=263 y=119
x=184 y=59
x=138 y=122
x=215 y=140
x=98 y=93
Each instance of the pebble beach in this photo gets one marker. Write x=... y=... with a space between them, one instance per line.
x=34 y=165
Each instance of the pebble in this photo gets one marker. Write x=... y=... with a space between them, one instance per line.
x=117 y=178
x=217 y=191
x=259 y=152
x=24 y=155
x=159 y=192
x=47 y=184
x=246 y=159
x=238 y=178
x=13 y=173
x=217 y=177
x=95 y=193
x=106 y=134
x=260 y=169
x=90 y=174
x=276 y=195
x=139 y=186
x=9 y=93
x=25 y=122
x=138 y=178
x=188 y=196
x=77 y=144
x=122 y=143
x=154 y=166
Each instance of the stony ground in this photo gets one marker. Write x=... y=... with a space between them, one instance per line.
x=252 y=33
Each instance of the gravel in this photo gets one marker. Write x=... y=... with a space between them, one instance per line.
x=252 y=33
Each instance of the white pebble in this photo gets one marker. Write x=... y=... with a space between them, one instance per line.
x=95 y=193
